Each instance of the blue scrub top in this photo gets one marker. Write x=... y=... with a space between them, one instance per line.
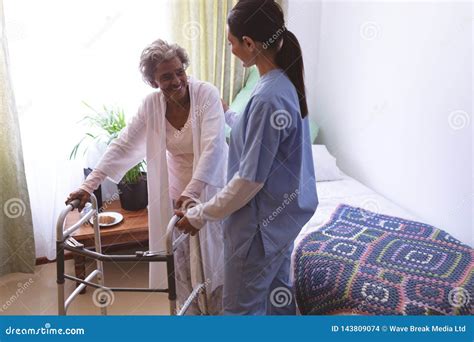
x=270 y=143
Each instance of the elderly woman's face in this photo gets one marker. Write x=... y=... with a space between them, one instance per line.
x=171 y=78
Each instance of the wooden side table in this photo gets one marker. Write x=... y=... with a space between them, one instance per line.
x=131 y=232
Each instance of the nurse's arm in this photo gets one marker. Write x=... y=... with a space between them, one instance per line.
x=231 y=117
x=237 y=193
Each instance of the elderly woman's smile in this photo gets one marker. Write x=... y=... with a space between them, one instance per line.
x=171 y=78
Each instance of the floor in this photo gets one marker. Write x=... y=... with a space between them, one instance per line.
x=36 y=294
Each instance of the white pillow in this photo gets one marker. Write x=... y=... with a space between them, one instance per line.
x=325 y=166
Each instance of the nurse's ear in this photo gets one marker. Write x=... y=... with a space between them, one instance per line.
x=249 y=43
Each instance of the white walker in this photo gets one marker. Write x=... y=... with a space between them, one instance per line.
x=65 y=242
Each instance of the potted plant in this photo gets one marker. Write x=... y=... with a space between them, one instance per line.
x=133 y=188
x=106 y=125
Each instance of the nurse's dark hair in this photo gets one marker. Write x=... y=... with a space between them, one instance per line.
x=263 y=21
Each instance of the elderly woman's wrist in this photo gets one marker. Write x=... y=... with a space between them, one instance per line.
x=92 y=182
x=86 y=189
x=190 y=194
x=194 y=189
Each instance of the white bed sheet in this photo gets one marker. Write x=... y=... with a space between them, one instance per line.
x=348 y=191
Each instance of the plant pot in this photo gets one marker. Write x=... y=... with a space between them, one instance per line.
x=97 y=192
x=134 y=197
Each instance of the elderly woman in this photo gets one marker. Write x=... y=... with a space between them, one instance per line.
x=180 y=131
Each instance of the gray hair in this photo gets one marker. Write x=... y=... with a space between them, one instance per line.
x=156 y=53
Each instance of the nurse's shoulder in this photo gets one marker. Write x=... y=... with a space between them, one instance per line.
x=276 y=83
x=281 y=110
x=277 y=91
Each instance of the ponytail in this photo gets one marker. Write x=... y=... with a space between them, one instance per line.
x=290 y=59
x=264 y=21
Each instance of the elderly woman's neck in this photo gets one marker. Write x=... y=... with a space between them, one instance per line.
x=180 y=103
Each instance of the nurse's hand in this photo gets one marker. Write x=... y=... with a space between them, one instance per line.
x=225 y=106
x=184 y=224
x=83 y=197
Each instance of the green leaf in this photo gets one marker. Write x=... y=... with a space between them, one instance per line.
x=106 y=126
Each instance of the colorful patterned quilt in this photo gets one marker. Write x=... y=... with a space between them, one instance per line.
x=365 y=263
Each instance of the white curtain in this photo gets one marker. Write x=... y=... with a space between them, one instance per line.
x=63 y=53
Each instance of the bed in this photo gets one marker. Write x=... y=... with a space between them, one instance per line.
x=362 y=254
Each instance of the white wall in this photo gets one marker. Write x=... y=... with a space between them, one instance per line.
x=390 y=86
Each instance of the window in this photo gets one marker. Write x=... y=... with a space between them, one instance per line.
x=63 y=53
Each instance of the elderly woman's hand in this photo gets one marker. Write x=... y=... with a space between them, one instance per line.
x=83 y=197
x=185 y=202
x=184 y=224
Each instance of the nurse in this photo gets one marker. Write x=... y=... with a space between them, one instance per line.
x=271 y=191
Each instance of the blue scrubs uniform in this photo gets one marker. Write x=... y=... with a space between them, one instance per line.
x=270 y=144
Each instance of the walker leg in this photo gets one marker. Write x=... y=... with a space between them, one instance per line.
x=202 y=296
x=171 y=283
x=60 y=278
x=98 y=249
x=100 y=281
x=80 y=269
x=61 y=310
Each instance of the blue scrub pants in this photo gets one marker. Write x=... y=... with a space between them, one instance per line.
x=258 y=284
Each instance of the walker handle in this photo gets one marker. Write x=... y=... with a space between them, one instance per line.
x=170 y=244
